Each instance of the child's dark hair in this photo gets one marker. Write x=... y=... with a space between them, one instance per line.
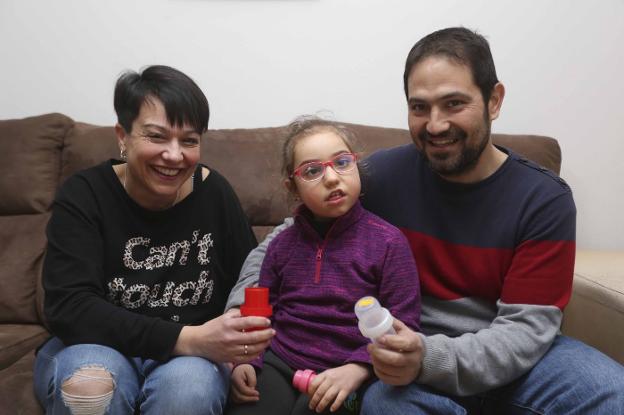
x=307 y=125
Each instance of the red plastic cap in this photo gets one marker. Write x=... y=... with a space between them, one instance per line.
x=256 y=302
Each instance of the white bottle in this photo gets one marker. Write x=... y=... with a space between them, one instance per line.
x=374 y=320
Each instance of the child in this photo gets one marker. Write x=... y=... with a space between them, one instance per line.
x=335 y=253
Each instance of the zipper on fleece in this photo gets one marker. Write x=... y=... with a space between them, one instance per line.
x=319 y=255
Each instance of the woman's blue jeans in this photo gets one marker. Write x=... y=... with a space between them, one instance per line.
x=182 y=385
x=572 y=378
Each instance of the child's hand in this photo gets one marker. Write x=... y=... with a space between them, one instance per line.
x=334 y=385
x=243 y=384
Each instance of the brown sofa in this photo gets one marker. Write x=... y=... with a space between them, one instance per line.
x=38 y=153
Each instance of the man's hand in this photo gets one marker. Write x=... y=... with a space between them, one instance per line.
x=334 y=385
x=243 y=384
x=222 y=339
x=397 y=358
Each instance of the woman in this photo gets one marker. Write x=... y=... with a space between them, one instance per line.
x=142 y=254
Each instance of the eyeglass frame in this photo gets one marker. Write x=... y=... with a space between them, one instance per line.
x=325 y=164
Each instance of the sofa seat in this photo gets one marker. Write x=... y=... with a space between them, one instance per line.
x=595 y=313
x=17 y=339
x=16 y=388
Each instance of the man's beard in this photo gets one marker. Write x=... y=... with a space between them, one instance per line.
x=451 y=164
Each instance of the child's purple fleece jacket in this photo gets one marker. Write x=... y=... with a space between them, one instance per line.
x=314 y=284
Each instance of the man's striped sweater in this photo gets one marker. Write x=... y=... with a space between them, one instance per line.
x=495 y=260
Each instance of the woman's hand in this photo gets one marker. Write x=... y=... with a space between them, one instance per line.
x=334 y=385
x=222 y=339
x=397 y=358
x=243 y=384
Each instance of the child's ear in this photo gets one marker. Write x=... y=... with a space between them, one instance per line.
x=290 y=185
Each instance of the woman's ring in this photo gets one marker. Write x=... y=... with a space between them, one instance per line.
x=245 y=348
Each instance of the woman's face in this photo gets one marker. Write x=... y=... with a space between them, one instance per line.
x=160 y=157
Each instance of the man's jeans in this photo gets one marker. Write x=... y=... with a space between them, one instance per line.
x=572 y=378
x=182 y=385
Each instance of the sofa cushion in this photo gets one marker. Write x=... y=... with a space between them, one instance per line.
x=249 y=159
x=16 y=340
x=370 y=138
x=544 y=151
x=87 y=145
x=31 y=162
x=16 y=388
x=21 y=258
x=597 y=303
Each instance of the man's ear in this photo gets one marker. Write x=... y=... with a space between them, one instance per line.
x=120 y=132
x=496 y=101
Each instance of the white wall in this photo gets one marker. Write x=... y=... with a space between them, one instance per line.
x=263 y=62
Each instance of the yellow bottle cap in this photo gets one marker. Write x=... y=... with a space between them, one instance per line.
x=366 y=301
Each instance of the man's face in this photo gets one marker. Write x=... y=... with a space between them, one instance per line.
x=447 y=117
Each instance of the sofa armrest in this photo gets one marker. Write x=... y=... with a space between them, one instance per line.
x=595 y=313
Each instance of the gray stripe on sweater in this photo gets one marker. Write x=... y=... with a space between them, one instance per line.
x=489 y=355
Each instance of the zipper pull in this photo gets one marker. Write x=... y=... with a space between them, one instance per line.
x=317 y=273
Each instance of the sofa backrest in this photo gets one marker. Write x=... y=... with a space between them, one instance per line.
x=30 y=160
x=250 y=160
x=38 y=153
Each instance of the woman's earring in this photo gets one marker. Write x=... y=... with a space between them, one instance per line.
x=123 y=155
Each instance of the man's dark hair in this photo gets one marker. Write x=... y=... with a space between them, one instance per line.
x=184 y=102
x=463 y=46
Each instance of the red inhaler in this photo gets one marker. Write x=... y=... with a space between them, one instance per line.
x=256 y=304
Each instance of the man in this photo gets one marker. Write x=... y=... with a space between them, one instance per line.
x=493 y=236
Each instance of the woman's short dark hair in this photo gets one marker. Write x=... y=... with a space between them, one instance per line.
x=462 y=46
x=183 y=100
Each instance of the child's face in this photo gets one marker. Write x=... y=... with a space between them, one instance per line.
x=333 y=194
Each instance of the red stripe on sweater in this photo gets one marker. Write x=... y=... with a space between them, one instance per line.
x=536 y=272
x=541 y=273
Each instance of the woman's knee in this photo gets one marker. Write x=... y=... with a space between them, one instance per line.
x=85 y=379
x=88 y=390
